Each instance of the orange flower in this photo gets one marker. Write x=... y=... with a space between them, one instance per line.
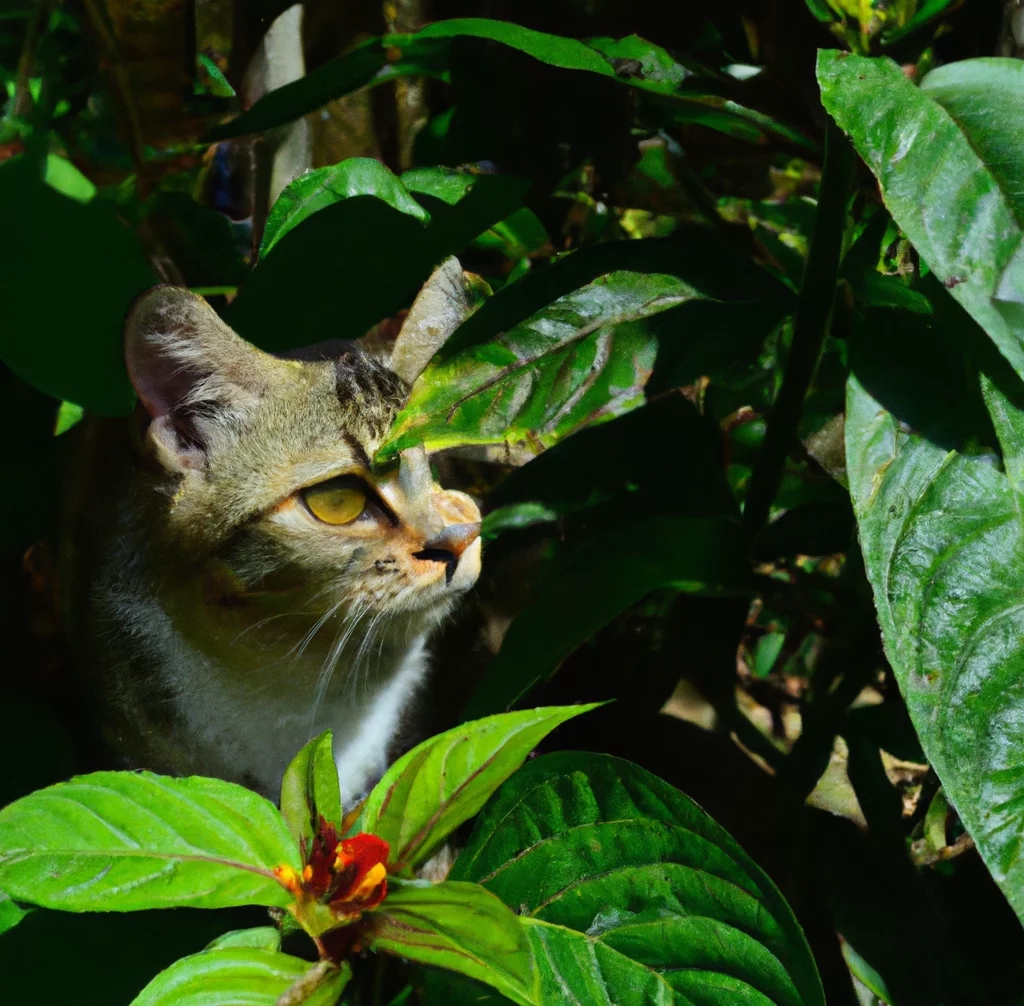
x=348 y=876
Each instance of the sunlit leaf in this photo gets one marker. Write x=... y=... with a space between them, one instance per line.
x=444 y=781
x=363 y=253
x=244 y=976
x=942 y=535
x=10 y=913
x=631 y=894
x=458 y=926
x=632 y=61
x=584 y=358
x=310 y=790
x=123 y=841
x=315 y=190
x=257 y=938
x=926 y=165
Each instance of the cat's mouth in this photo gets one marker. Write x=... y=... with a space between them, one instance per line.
x=449 y=547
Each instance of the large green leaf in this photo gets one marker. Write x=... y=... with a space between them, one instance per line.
x=244 y=976
x=375 y=61
x=350 y=262
x=458 y=926
x=310 y=790
x=985 y=97
x=124 y=841
x=583 y=358
x=961 y=212
x=71 y=271
x=316 y=190
x=632 y=61
x=605 y=575
x=942 y=538
x=444 y=781
x=634 y=894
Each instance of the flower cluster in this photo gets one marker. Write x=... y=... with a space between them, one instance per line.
x=348 y=875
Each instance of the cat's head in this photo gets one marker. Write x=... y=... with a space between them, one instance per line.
x=264 y=488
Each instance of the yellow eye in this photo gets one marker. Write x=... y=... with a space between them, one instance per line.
x=335 y=502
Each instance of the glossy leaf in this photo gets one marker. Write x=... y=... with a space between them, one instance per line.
x=457 y=926
x=10 y=913
x=292 y=297
x=427 y=53
x=697 y=257
x=584 y=358
x=124 y=841
x=76 y=269
x=942 y=535
x=985 y=97
x=316 y=190
x=603 y=577
x=925 y=164
x=244 y=976
x=310 y=790
x=257 y=938
x=631 y=894
x=444 y=781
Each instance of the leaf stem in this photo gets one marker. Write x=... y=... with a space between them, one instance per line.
x=810 y=327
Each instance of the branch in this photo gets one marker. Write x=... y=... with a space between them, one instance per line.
x=810 y=327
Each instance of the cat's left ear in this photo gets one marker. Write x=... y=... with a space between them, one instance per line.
x=193 y=374
x=440 y=307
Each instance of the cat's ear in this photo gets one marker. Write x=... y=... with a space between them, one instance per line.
x=193 y=375
x=440 y=307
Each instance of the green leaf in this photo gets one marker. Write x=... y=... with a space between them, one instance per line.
x=458 y=926
x=444 y=781
x=76 y=270
x=10 y=913
x=257 y=938
x=69 y=415
x=63 y=176
x=939 y=184
x=124 y=841
x=631 y=894
x=599 y=580
x=310 y=789
x=315 y=190
x=928 y=11
x=698 y=258
x=291 y=298
x=985 y=97
x=427 y=53
x=446 y=184
x=375 y=61
x=941 y=534
x=244 y=976
x=580 y=360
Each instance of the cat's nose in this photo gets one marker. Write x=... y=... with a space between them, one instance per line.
x=448 y=546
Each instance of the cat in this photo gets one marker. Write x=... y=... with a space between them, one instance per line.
x=244 y=577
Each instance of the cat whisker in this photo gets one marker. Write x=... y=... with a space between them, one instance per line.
x=348 y=626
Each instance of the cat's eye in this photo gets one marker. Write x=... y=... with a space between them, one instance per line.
x=337 y=501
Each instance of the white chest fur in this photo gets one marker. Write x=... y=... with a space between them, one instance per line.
x=246 y=720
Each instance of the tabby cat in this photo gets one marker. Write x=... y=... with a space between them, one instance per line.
x=242 y=577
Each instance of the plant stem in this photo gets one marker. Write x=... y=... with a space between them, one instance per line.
x=810 y=326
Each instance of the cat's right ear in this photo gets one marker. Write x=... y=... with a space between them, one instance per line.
x=192 y=374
